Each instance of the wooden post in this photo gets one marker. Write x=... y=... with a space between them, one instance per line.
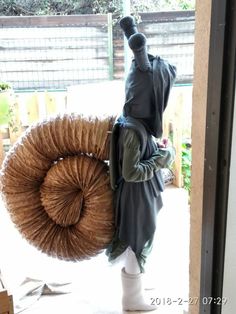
x=166 y=124
x=177 y=139
x=110 y=45
x=15 y=128
x=174 y=117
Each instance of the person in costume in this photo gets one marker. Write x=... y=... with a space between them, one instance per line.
x=135 y=163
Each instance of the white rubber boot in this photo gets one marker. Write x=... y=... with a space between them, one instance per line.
x=133 y=295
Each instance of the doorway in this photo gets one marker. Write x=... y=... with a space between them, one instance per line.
x=176 y=249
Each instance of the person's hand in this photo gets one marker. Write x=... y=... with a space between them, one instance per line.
x=164 y=143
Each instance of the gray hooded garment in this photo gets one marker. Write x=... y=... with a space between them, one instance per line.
x=137 y=203
x=147 y=93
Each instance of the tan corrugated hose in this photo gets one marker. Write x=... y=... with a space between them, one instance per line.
x=55 y=184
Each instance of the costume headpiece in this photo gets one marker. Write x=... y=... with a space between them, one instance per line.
x=148 y=83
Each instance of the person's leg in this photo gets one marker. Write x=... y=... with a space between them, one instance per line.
x=131 y=263
x=133 y=298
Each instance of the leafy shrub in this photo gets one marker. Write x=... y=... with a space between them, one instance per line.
x=4 y=86
x=186 y=165
x=69 y=7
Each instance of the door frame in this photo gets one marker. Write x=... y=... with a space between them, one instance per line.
x=213 y=105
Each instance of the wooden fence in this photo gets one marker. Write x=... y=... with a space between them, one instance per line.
x=54 y=52
x=169 y=35
x=29 y=108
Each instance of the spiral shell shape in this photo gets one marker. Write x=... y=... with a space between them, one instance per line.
x=55 y=184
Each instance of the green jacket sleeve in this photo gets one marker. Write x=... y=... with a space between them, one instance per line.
x=136 y=170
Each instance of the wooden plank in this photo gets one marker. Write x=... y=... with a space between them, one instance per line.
x=6 y=299
x=53 y=20
x=4 y=302
x=166 y=125
x=174 y=124
x=51 y=104
x=60 y=99
x=32 y=108
x=56 y=84
x=168 y=16
x=56 y=65
x=67 y=34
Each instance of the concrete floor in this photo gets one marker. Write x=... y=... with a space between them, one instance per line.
x=95 y=285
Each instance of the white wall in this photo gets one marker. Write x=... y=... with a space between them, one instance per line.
x=229 y=285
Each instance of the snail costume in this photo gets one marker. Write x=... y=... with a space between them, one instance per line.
x=135 y=163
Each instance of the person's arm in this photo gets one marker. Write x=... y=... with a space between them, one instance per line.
x=134 y=169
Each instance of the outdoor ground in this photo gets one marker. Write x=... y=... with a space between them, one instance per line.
x=94 y=286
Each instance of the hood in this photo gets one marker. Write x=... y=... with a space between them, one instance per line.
x=147 y=93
